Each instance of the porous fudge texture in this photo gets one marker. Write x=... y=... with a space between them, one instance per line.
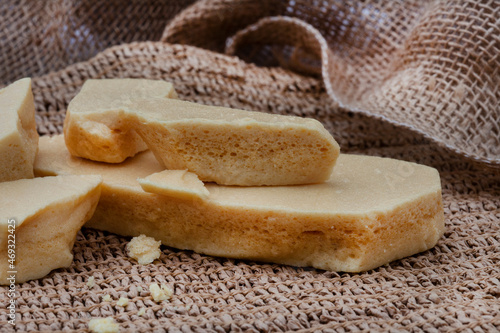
x=222 y=145
x=18 y=135
x=48 y=213
x=370 y=212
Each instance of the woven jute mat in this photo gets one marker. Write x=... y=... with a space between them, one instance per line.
x=391 y=101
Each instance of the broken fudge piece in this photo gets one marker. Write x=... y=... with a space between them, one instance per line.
x=96 y=125
x=222 y=145
x=39 y=221
x=18 y=135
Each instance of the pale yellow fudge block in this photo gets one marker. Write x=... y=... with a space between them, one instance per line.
x=236 y=147
x=175 y=183
x=222 y=145
x=112 y=139
x=48 y=212
x=371 y=211
x=18 y=135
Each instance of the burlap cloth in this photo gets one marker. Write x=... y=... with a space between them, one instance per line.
x=417 y=81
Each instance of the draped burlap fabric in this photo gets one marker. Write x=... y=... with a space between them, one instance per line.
x=413 y=80
x=428 y=66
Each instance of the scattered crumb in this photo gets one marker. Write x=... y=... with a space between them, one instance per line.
x=139 y=289
x=106 y=298
x=103 y=325
x=122 y=302
x=141 y=312
x=144 y=249
x=91 y=282
x=160 y=294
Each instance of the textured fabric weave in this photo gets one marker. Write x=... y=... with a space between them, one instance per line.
x=385 y=104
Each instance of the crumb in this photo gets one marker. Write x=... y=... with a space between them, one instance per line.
x=103 y=325
x=122 y=302
x=144 y=249
x=91 y=282
x=141 y=312
x=139 y=289
x=106 y=298
x=160 y=294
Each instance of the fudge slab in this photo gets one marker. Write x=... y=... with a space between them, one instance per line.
x=370 y=212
